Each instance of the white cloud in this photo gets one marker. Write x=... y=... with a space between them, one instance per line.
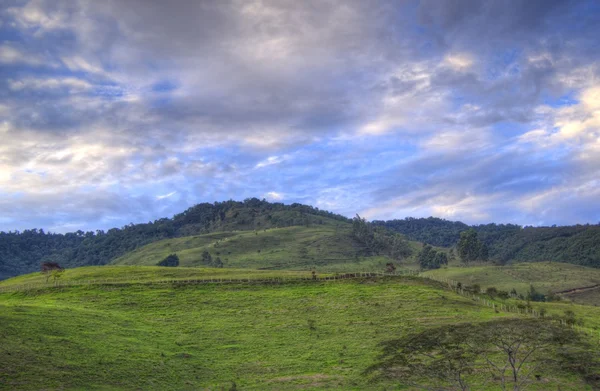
x=274 y=196
x=459 y=61
x=72 y=83
x=11 y=55
x=271 y=160
x=161 y=197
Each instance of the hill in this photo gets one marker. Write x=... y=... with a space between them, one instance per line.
x=22 y=252
x=578 y=244
x=323 y=247
x=572 y=282
x=142 y=334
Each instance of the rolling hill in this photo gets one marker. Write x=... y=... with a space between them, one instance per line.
x=322 y=247
x=177 y=336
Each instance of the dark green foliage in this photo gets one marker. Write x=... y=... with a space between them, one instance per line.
x=431 y=259
x=378 y=240
x=470 y=248
x=438 y=232
x=208 y=260
x=492 y=292
x=503 y=295
x=533 y=295
x=578 y=244
x=171 y=260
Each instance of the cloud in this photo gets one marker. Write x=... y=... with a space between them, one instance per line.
x=163 y=196
x=468 y=111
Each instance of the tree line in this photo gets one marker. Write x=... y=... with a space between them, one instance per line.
x=577 y=244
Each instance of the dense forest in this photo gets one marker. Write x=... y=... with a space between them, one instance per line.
x=22 y=252
x=578 y=244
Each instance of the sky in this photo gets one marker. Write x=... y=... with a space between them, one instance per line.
x=125 y=111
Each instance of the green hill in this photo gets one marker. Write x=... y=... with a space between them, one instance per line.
x=324 y=247
x=546 y=277
x=260 y=336
x=22 y=252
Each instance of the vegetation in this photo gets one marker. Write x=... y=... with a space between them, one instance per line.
x=578 y=244
x=313 y=335
x=470 y=248
x=501 y=354
x=326 y=247
x=172 y=260
x=22 y=252
x=547 y=278
x=431 y=259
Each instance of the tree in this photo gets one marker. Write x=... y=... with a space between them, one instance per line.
x=206 y=258
x=217 y=262
x=431 y=259
x=513 y=351
x=438 y=359
x=469 y=247
x=171 y=260
x=51 y=269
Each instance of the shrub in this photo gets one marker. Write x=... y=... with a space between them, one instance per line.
x=170 y=261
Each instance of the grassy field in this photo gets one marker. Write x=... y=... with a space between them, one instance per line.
x=545 y=277
x=145 y=274
x=296 y=335
x=314 y=335
x=324 y=247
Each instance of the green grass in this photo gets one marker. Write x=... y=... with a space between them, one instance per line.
x=276 y=248
x=206 y=336
x=144 y=274
x=544 y=276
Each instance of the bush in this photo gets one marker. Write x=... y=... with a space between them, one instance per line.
x=491 y=292
x=170 y=261
x=503 y=295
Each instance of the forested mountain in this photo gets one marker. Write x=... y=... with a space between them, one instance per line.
x=578 y=244
x=22 y=252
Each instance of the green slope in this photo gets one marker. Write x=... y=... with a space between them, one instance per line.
x=298 y=247
x=296 y=335
x=546 y=277
x=277 y=337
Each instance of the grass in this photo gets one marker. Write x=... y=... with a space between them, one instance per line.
x=315 y=335
x=324 y=247
x=546 y=277
x=133 y=274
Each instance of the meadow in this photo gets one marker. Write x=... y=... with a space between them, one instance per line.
x=288 y=336
x=546 y=277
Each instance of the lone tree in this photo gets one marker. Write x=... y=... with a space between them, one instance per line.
x=51 y=269
x=170 y=261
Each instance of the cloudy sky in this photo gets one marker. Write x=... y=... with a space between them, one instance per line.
x=120 y=111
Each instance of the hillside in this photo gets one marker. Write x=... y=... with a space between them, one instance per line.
x=546 y=277
x=578 y=244
x=323 y=247
x=258 y=336
x=22 y=252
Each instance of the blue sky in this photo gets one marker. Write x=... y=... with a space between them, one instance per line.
x=124 y=111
